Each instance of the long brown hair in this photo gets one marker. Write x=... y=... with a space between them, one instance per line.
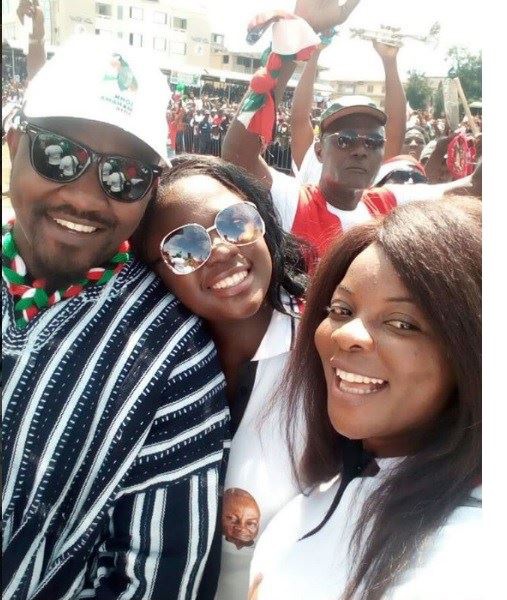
x=435 y=247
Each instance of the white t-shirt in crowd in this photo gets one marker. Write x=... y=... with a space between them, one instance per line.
x=68 y=165
x=259 y=462
x=54 y=154
x=285 y=191
x=448 y=567
x=116 y=181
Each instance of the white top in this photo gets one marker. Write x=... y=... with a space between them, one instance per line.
x=311 y=168
x=448 y=568
x=116 y=181
x=68 y=165
x=285 y=192
x=259 y=462
x=54 y=154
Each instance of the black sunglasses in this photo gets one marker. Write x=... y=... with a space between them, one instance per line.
x=347 y=139
x=60 y=159
x=403 y=177
x=186 y=248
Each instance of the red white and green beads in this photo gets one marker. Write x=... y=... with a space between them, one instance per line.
x=32 y=298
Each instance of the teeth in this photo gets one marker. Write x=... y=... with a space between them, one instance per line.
x=230 y=281
x=355 y=378
x=351 y=390
x=76 y=226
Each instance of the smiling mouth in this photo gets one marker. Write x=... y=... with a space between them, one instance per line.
x=231 y=281
x=353 y=383
x=71 y=226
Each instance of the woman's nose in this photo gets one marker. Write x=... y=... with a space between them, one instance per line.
x=352 y=336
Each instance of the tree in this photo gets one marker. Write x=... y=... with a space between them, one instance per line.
x=468 y=67
x=438 y=102
x=418 y=90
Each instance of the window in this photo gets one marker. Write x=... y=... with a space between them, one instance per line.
x=179 y=23
x=104 y=32
x=104 y=10
x=159 y=43
x=225 y=59
x=217 y=38
x=178 y=48
x=120 y=35
x=136 y=13
x=120 y=12
x=136 y=40
x=369 y=89
x=160 y=17
x=243 y=61
x=256 y=63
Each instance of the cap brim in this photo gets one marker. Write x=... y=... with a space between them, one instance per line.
x=354 y=110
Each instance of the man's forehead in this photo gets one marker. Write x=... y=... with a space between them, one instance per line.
x=102 y=137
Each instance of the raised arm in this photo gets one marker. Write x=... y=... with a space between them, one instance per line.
x=395 y=100
x=300 y=119
x=36 y=56
x=244 y=148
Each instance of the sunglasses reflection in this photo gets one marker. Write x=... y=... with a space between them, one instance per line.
x=189 y=247
x=60 y=159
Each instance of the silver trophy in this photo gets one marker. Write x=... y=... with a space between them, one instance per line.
x=393 y=36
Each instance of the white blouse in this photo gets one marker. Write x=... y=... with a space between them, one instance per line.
x=449 y=567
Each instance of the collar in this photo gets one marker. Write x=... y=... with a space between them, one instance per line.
x=280 y=334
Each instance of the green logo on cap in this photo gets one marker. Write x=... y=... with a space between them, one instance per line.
x=122 y=74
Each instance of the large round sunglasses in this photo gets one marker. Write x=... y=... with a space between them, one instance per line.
x=62 y=160
x=187 y=248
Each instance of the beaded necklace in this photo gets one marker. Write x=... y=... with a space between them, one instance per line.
x=30 y=293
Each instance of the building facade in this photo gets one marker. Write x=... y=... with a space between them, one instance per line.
x=178 y=31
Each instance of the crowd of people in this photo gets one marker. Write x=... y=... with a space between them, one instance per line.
x=12 y=91
x=198 y=124
x=223 y=381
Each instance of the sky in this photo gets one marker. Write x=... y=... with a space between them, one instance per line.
x=461 y=24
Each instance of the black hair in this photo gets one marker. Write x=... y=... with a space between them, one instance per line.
x=435 y=247
x=421 y=130
x=286 y=251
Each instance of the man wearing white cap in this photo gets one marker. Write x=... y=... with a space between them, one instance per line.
x=350 y=147
x=114 y=417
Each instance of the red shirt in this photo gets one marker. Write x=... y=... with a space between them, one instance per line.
x=320 y=227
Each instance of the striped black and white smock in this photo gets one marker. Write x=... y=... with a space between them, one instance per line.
x=114 y=431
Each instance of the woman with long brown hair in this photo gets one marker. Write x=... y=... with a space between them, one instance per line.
x=391 y=389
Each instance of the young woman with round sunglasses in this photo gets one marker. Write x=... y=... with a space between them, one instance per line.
x=213 y=237
x=388 y=366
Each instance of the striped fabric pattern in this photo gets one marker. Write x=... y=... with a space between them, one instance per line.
x=115 y=426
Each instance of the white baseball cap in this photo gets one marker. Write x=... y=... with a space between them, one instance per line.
x=105 y=81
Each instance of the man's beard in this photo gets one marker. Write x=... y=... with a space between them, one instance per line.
x=58 y=272
x=69 y=266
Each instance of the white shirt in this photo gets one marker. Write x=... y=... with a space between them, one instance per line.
x=68 y=165
x=449 y=566
x=54 y=154
x=259 y=462
x=285 y=191
x=116 y=181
